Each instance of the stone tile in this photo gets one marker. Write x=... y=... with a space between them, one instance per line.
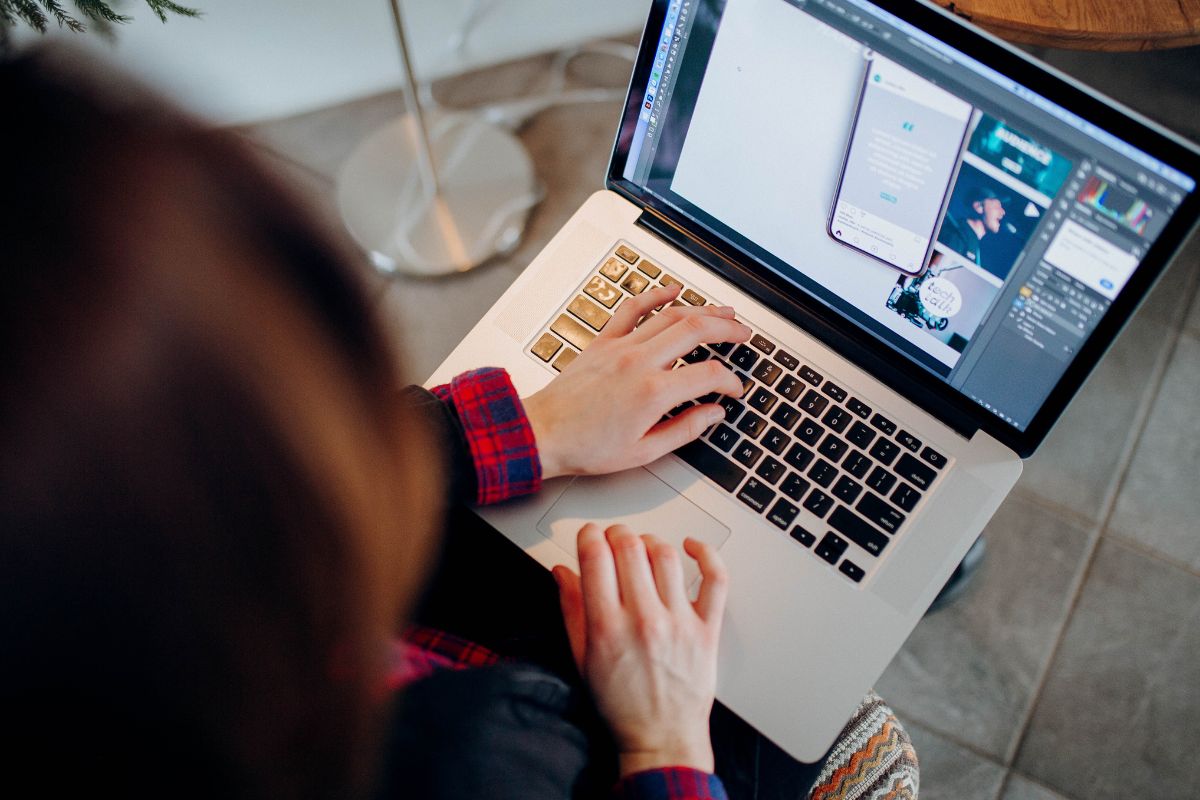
x=1162 y=84
x=1021 y=788
x=951 y=772
x=1158 y=504
x=1119 y=715
x=971 y=670
x=1078 y=464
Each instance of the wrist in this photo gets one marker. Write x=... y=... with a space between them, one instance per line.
x=541 y=424
x=697 y=756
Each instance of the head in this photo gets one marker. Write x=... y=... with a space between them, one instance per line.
x=987 y=207
x=212 y=513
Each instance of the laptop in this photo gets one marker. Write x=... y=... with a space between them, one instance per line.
x=934 y=238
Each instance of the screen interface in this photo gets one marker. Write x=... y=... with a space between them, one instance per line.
x=978 y=229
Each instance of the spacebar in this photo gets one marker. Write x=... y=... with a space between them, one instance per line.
x=716 y=466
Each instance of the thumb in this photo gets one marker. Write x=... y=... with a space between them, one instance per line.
x=674 y=433
x=570 y=597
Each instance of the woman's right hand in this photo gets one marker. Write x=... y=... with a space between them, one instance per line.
x=648 y=654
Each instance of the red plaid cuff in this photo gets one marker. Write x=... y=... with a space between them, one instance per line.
x=670 y=783
x=422 y=651
x=498 y=432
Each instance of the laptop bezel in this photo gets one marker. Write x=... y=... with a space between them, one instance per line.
x=857 y=345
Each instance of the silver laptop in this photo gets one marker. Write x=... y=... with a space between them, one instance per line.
x=934 y=238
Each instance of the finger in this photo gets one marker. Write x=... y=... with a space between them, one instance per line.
x=680 y=338
x=634 y=308
x=668 y=436
x=668 y=571
x=570 y=597
x=598 y=574
x=633 y=570
x=696 y=380
x=714 y=584
x=669 y=316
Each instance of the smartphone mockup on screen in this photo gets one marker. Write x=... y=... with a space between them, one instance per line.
x=904 y=148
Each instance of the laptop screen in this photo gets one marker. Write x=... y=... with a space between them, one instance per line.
x=972 y=225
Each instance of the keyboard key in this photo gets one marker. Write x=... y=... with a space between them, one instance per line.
x=776 y=441
x=794 y=487
x=831 y=547
x=743 y=357
x=906 y=497
x=767 y=372
x=760 y=342
x=756 y=494
x=810 y=375
x=752 y=424
x=884 y=424
x=851 y=570
x=857 y=464
x=770 y=470
x=747 y=383
x=809 y=432
x=723 y=438
x=908 y=440
x=833 y=448
x=699 y=353
x=788 y=360
x=627 y=253
x=721 y=348
x=918 y=474
x=747 y=453
x=791 y=388
x=572 y=331
x=546 y=347
x=653 y=270
x=847 y=489
x=799 y=456
x=814 y=403
x=589 y=312
x=613 y=270
x=692 y=297
x=667 y=280
x=803 y=537
x=602 y=291
x=818 y=502
x=762 y=400
x=858 y=531
x=823 y=473
x=885 y=451
x=933 y=457
x=858 y=408
x=783 y=514
x=837 y=418
x=564 y=359
x=785 y=416
x=881 y=480
x=732 y=408
x=834 y=391
x=860 y=435
x=709 y=462
x=877 y=510
x=635 y=284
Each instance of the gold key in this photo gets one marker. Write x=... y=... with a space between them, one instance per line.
x=564 y=360
x=667 y=280
x=602 y=291
x=589 y=312
x=546 y=347
x=613 y=270
x=635 y=284
x=572 y=331
x=652 y=270
x=692 y=297
x=628 y=254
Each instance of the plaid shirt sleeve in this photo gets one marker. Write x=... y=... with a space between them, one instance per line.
x=670 y=783
x=421 y=651
x=498 y=434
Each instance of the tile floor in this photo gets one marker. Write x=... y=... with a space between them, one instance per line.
x=1071 y=670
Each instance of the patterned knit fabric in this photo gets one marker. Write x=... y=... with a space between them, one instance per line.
x=873 y=758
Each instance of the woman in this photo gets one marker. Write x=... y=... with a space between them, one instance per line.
x=217 y=506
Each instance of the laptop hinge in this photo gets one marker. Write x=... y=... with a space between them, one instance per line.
x=879 y=360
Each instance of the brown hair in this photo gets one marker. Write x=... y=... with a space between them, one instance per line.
x=211 y=509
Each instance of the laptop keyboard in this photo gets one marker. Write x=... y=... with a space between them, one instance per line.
x=796 y=447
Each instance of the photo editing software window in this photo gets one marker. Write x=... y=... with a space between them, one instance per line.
x=974 y=226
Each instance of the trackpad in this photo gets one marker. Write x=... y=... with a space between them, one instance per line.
x=635 y=498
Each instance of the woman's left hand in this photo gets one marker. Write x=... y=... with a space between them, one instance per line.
x=602 y=414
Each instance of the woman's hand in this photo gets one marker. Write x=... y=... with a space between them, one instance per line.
x=602 y=414
x=648 y=654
